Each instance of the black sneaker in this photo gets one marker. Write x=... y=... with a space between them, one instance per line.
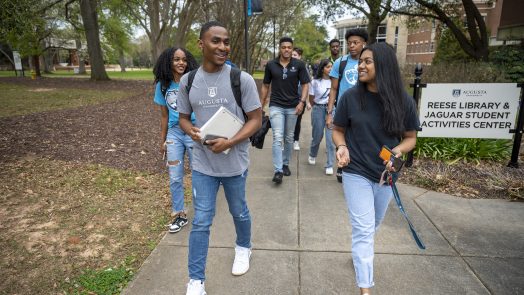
x=178 y=223
x=339 y=174
x=286 y=170
x=278 y=177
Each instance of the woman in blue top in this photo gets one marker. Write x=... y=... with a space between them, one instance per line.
x=375 y=113
x=171 y=65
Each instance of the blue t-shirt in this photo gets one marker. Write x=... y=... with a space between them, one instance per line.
x=172 y=91
x=350 y=76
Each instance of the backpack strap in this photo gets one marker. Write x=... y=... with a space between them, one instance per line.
x=190 y=78
x=341 y=68
x=163 y=90
x=234 y=76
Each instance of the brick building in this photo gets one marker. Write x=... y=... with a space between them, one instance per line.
x=418 y=45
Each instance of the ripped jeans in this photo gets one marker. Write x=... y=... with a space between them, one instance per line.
x=177 y=144
x=205 y=190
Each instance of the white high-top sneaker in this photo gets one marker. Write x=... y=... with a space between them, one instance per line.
x=241 y=263
x=195 y=287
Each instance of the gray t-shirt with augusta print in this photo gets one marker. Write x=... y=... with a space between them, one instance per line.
x=205 y=98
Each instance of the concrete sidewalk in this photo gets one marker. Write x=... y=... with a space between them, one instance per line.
x=301 y=241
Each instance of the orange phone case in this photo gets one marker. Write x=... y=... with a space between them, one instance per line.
x=385 y=153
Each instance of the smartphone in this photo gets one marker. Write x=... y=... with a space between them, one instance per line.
x=387 y=154
x=211 y=137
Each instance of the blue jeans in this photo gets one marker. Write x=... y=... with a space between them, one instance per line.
x=283 y=121
x=318 y=122
x=367 y=203
x=177 y=144
x=205 y=190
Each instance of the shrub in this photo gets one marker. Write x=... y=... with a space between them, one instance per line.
x=465 y=149
x=510 y=59
x=458 y=72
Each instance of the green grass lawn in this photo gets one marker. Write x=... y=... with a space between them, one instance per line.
x=258 y=75
x=8 y=74
x=134 y=75
x=20 y=100
x=145 y=74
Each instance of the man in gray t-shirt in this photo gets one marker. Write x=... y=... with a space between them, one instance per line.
x=210 y=90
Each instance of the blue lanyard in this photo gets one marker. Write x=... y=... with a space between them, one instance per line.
x=419 y=242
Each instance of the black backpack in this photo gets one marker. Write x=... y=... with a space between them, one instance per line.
x=234 y=76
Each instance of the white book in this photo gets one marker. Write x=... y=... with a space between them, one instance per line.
x=222 y=124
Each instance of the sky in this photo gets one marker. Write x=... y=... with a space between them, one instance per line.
x=331 y=29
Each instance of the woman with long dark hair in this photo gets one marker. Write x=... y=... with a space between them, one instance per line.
x=378 y=112
x=318 y=98
x=171 y=65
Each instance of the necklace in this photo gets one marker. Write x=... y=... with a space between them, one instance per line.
x=212 y=91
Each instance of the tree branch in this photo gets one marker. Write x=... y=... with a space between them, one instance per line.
x=459 y=35
x=8 y=57
x=357 y=7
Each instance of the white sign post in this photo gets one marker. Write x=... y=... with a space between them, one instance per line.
x=474 y=110
x=18 y=62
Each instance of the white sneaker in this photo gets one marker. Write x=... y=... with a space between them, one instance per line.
x=329 y=171
x=296 y=146
x=195 y=287
x=311 y=160
x=241 y=264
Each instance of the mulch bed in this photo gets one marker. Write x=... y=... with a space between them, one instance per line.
x=121 y=134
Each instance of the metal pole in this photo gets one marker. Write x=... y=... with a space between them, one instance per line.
x=514 y=162
x=246 y=37
x=416 y=93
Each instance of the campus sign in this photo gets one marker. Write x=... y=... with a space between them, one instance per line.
x=469 y=110
x=17 y=60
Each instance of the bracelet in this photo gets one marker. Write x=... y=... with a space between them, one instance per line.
x=338 y=146
x=330 y=112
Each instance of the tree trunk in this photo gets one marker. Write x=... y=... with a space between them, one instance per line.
x=90 y=20
x=157 y=37
x=122 y=60
x=477 y=29
x=373 y=23
x=36 y=65
x=47 y=61
x=81 y=61
x=185 y=19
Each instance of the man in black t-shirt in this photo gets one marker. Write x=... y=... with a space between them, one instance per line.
x=334 y=49
x=284 y=74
